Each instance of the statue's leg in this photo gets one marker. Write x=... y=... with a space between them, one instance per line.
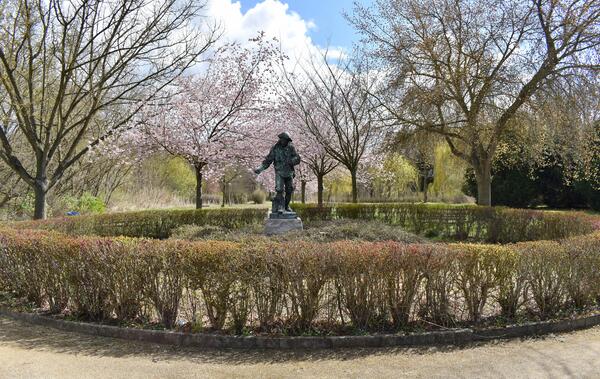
x=278 y=202
x=289 y=190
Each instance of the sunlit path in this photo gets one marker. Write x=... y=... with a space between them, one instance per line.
x=28 y=351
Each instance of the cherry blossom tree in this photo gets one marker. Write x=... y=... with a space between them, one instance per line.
x=315 y=160
x=297 y=110
x=370 y=170
x=211 y=120
x=311 y=167
x=304 y=176
x=107 y=165
x=334 y=104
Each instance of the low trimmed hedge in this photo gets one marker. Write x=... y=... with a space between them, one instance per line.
x=301 y=286
x=461 y=222
x=455 y=222
x=149 y=224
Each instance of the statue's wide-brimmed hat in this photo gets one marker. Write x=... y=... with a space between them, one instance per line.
x=284 y=135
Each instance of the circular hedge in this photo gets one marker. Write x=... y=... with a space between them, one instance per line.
x=304 y=287
x=452 y=222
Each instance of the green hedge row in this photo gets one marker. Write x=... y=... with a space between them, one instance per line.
x=300 y=286
x=463 y=222
x=149 y=224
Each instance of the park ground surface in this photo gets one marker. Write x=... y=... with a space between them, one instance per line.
x=28 y=351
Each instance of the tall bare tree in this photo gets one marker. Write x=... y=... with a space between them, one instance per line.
x=321 y=164
x=463 y=69
x=74 y=72
x=338 y=111
x=301 y=111
x=11 y=186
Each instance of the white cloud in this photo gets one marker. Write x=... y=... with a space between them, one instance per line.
x=272 y=17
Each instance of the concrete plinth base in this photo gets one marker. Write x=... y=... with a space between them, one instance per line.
x=275 y=226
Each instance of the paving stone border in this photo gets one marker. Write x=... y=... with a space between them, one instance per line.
x=449 y=337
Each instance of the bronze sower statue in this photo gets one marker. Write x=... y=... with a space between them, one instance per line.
x=284 y=157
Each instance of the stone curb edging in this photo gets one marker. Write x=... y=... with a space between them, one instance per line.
x=450 y=337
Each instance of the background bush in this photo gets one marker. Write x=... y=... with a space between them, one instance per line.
x=556 y=180
x=259 y=197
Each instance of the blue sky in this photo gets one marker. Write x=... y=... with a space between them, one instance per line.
x=303 y=27
x=331 y=27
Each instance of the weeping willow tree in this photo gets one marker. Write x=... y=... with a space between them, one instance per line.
x=395 y=177
x=449 y=172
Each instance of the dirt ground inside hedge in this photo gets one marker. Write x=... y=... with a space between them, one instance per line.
x=28 y=351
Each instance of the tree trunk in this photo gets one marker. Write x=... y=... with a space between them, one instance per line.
x=320 y=190
x=354 y=187
x=303 y=191
x=483 y=175
x=198 y=187
x=224 y=194
x=40 y=190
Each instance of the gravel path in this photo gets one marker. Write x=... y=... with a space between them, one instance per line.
x=28 y=351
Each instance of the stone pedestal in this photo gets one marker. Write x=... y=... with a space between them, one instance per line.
x=279 y=223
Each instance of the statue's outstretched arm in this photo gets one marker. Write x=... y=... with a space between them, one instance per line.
x=266 y=163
